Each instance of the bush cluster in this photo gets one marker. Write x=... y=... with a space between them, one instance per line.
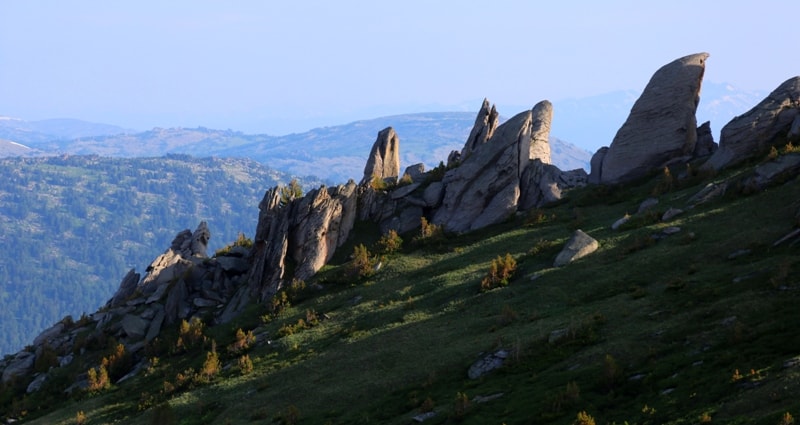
x=500 y=271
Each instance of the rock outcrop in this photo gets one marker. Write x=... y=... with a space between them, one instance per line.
x=485 y=188
x=308 y=230
x=661 y=126
x=384 y=159
x=705 y=145
x=768 y=124
x=543 y=183
x=485 y=125
x=540 y=131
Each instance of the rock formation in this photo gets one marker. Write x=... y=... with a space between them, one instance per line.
x=543 y=183
x=482 y=131
x=484 y=189
x=661 y=126
x=540 y=131
x=384 y=159
x=308 y=230
x=705 y=145
x=767 y=124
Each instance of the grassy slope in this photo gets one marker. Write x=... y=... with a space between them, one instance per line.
x=656 y=331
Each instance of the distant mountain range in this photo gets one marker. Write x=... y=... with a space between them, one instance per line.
x=338 y=153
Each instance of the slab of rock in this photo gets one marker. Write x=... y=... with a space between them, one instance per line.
x=671 y=213
x=416 y=172
x=37 y=383
x=155 y=326
x=617 y=224
x=321 y=222
x=20 y=365
x=596 y=165
x=578 y=246
x=485 y=188
x=134 y=326
x=662 y=124
x=126 y=288
x=487 y=364
x=234 y=265
x=48 y=334
x=710 y=192
x=752 y=133
x=384 y=159
x=705 y=145
x=403 y=191
x=270 y=244
x=779 y=169
x=433 y=194
x=647 y=204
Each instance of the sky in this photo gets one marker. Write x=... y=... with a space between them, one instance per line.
x=278 y=67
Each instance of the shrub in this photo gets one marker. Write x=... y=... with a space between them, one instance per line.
x=428 y=232
x=290 y=192
x=378 y=183
x=362 y=265
x=118 y=363
x=245 y=364
x=460 y=406
x=405 y=180
x=584 y=418
x=611 y=372
x=190 y=334
x=390 y=242
x=80 y=418
x=98 y=379
x=241 y=240
x=211 y=366
x=244 y=340
x=666 y=184
x=500 y=271
x=786 y=419
x=47 y=359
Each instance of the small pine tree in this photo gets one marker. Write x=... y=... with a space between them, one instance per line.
x=584 y=418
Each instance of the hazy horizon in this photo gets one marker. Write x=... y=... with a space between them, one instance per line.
x=290 y=67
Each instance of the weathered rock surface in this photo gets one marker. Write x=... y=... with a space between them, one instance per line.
x=767 y=124
x=270 y=245
x=540 y=131
x=487 y=364
x=780 y=168
x=308 y=230
x=543 y=183
x=321 y=222
x=485 y=188
x=485 y=125
x=384 y=159
x=705 y=144
x=20 y=365
x=662 y=124
x=596 y=164
x=126 y=288
x=416 y=172
x=578 y=246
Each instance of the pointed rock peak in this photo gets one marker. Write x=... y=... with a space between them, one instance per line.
x=483 y=129
x=384 y=158
x=661 y=126
x=540 y=131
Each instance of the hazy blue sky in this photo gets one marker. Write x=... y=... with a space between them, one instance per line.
x=282 y=66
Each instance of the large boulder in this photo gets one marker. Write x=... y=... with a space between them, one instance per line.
x=705 y=145
x=384 y=159
x=767 y=124
x=485 y=188
x=578 y=246
x=661 y=126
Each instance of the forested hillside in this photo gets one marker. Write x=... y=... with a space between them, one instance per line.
x=72 y=226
